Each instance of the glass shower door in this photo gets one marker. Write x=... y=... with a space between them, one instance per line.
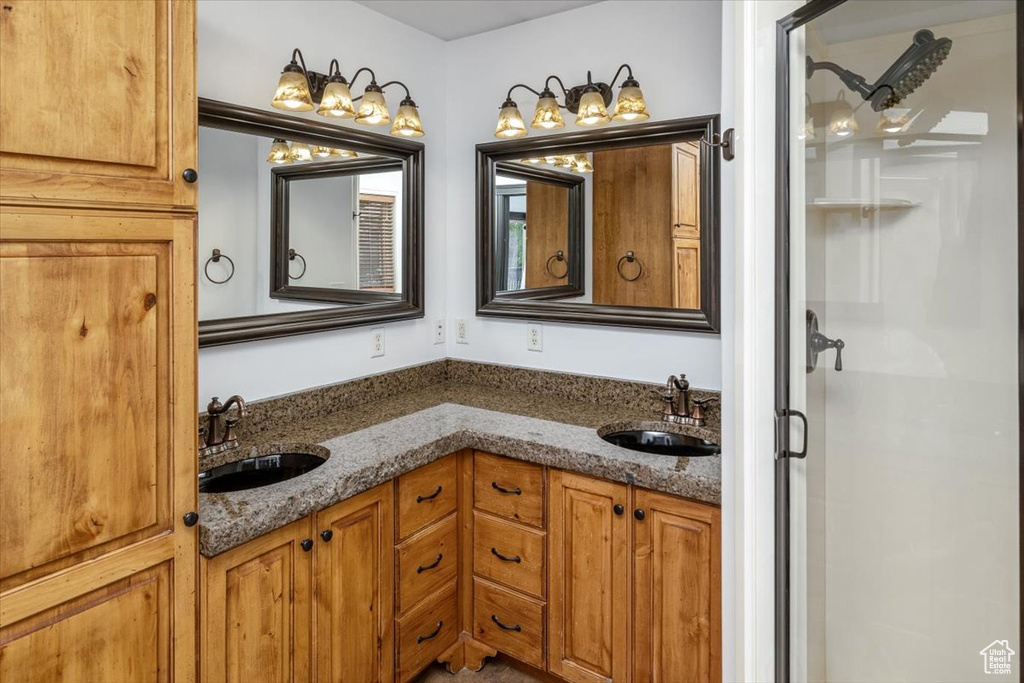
x=898 y=504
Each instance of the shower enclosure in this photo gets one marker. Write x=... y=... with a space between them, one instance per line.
x=898 y=354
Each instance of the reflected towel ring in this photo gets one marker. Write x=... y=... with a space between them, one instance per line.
x=292 y=255
x=630 y=257
x=217 y=256
x=725 y=142
x=557 y=256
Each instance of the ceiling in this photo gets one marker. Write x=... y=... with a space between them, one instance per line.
x=451 y=19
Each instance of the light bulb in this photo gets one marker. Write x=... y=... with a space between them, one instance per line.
x=337 y=100
x=292 y=90
x=407 y=120
x=631 y=105
x=373 y=110
x=510 y=122
x=547 y=115
x=592 y=111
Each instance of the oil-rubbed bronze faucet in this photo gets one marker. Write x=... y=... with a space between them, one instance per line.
x=220 y=434
x=679 y=407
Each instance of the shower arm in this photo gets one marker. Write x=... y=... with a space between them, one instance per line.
x=853 y=81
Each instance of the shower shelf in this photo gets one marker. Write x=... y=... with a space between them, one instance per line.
x=864 y=205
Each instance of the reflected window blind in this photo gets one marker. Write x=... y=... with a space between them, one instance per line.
x=376 y=243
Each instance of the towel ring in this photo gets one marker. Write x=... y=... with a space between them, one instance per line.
x=217 y=256
x=292 y=255
x=557 y=256
x=630 y=257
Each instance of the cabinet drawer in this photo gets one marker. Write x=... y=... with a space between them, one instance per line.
x=427 y=561
x=426 y=495
x=509 y=622
x=426 y=632
x=509 y=488
x=509 y=554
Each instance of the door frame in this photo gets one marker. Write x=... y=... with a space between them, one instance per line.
x=803 y=15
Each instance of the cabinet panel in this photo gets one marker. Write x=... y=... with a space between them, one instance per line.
x=354 y=589
x=687 y=273
x=588 y=627
x=686 y=190
x=677 y=590
x=547 y=229
x=427 y=631
x=509 y=488
x=98 y=102
x=118 y=632
x=257 y=609
x=427 y=561
x=425 y=495
x=509 y=622
x=509 y=553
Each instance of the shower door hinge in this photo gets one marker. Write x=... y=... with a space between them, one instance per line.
x=782 y=417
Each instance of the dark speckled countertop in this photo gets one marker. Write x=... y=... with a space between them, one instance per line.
x=373 y=442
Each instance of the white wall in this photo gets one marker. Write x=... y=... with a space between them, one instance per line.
x=675 y=51
x=242 y=48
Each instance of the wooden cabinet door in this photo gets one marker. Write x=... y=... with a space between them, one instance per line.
x=256 y=609
x=98 y=102
x=98 y=416
x=677 y=591
x=686 y=190
x=353 y=630
x=588 y=600
x=547 y=233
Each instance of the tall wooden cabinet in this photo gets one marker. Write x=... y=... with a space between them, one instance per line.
x=97 y=341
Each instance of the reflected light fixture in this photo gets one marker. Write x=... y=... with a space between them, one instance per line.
x=300 y=152
x=892 y=121
x=320 y=151
x=842 y=123
x=589 y=102
x=343 y=153
x=279 y=152
x=807 y=130
x=298 y=89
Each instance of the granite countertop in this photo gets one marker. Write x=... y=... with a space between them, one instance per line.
x=374 y=442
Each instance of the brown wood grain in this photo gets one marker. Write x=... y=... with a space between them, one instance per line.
x=435 y=547
x=589 y=570
x=677 y=591
x=686 y=276
x=491 y=471
x=524 y=639
x=547 y=233
x=353 y=588
x=416 y=649
x=493 y=535
x=415 y=496
x=257 y=617
x=125 y=130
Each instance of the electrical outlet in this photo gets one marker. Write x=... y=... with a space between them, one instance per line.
x=377 y=343
x=439 y=331
x=460 y=331
x=534 y=337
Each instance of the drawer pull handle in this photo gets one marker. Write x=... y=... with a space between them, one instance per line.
x=420 y=639
x=435 y=494
x=518 y=491
x=421 y=569
x=516 y=559
x=517 y=628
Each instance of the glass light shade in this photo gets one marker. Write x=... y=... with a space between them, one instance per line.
x=532 y=160
x=631 y=105
x=337 y=101
x=373 y=110
x=806 y=131
x=843 y=123
x=592 y=111
x=344 y=153
x=407 y=121
x=320 y=151
x=563 y=161
x=547 y=115
x=279 y=152
x=582 y=164
x=891 y=121
x=293 y=92
x=510 y=123
x=550 y=160
x=300 y=152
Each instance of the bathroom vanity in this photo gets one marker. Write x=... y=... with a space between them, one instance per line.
x=453 y=522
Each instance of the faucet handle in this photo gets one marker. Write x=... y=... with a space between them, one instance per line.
x=214 y=407
x=702 y=402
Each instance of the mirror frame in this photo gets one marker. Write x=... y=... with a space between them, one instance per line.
x=280 y=204
x=410 y=156
x=575 y=285
x=706 y=319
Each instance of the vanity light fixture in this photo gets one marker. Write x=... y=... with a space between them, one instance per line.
x=842 y=123
x=892 y=121
x=589 y=102
x=280 y=153
x=807 y=130
x=300 y=152
x=299 y=89
x=283 y=153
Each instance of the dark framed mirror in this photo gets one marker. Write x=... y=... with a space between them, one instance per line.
x=648 y=244
x=538 y=233
x=304 y=226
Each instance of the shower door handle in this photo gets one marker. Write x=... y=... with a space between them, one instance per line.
x=782 y=417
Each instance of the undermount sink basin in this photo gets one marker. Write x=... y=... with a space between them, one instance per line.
x=259 y=471
x=662 y=443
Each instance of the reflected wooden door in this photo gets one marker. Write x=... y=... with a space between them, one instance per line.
x=547 y=233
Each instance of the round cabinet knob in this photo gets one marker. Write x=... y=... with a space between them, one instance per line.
x=190 y=175
x=307 y=545
x=327 y=535
x=639 y=514
x=619 y=509
x=191 y=518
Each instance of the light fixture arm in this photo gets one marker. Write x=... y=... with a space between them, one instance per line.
x=408 y=96
x=335 y=69
x=373 y=76
x=629 y=74
x=298 y=53
x=520 y=85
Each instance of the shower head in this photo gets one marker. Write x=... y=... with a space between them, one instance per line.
x=917 y=63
